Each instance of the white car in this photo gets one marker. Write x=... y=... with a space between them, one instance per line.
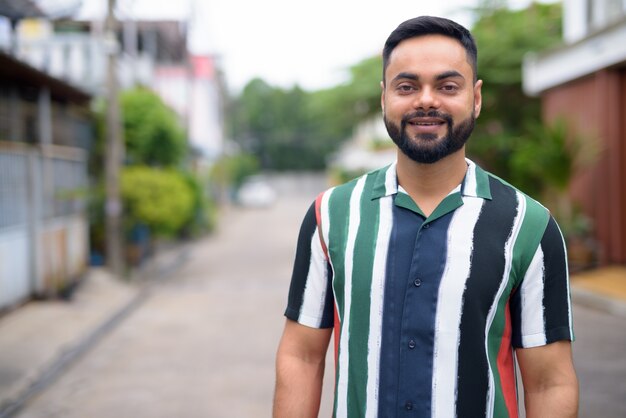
x=256 y=192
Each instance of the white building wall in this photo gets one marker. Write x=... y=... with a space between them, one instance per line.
x=582 y=18
x=574 y=20
x=206 y=132
x=205 y=128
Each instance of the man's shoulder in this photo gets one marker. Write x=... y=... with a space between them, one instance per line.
x=533 y=207
x=343 y=191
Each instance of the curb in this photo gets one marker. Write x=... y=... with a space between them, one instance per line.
x=594 y=300
x=67 y=357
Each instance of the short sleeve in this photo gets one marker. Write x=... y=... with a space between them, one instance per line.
x=310 y=294
x=541 y=306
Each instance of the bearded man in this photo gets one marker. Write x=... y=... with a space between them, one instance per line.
x=435 y=276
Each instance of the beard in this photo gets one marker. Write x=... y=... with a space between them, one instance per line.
x=427 y=148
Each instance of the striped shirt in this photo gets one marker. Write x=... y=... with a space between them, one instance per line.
x=426 y=311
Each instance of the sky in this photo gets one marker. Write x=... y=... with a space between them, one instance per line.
x=286 y=42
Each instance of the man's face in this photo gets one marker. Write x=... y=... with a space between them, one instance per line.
x=429 y=98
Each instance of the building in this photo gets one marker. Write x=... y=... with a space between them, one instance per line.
x=584 y=82
x=153 y=53
x=45 y=132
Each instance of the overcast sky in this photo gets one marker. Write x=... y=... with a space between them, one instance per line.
x=287 y=42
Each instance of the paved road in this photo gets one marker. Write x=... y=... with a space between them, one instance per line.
x=203 y=343
x=600 y=359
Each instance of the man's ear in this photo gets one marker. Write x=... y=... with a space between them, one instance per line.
x=478 y=97
x=382 y=96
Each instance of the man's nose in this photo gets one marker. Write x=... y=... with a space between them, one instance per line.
x=426 y=99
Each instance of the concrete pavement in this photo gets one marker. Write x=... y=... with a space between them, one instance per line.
x=39 y=340
x=601 y=289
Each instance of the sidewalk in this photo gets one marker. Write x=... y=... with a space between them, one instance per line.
x=41 y=338
x=603 y=289
x=38 y=340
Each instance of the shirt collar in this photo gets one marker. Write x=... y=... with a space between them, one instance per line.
x=475 y=183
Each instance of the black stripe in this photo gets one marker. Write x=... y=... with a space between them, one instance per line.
x=491 y=232
x=328 y=316
x=301 y=265
x=555 y=295
x=516 y=317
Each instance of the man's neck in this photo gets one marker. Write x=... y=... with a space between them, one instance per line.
x=429 y=184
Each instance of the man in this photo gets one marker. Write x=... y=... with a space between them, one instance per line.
x=432 y=272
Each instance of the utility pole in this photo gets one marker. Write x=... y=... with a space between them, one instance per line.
x=114 y=150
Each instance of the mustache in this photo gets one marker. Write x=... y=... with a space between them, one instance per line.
x=429 y=114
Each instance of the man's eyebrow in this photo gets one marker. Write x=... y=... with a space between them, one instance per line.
x=408 y=76
x=439 y=77
x=448 y=74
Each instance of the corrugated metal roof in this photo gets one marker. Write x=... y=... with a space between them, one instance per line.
x=14 y=71
x=19 y=9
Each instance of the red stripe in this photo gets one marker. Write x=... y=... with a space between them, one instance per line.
x=318 y=218
x=506 y=367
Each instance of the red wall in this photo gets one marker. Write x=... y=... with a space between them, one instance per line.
x=596 y=108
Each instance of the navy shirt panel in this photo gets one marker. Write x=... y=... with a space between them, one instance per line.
x=417 y=255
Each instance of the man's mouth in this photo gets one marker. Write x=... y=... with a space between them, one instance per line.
x=425 y=122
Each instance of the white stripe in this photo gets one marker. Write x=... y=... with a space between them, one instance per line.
x=531 y=294
x=508 y=262
x=353 y=227
x=316 y=284
x=450 y=306
x=376 y=305
x=471 y=186
x=391 y=180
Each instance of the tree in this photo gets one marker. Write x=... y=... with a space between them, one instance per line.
x=279 y=127
x=151 y=129
x=157 y=193
x=297 y=130
x=503 y=37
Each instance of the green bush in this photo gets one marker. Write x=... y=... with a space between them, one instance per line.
x=160 y=199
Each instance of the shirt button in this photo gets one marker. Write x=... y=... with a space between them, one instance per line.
x=408 y=406
x=417 y=282
x=412 y=344
x=426 y=226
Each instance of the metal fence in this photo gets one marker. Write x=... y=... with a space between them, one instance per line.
x=43 y=224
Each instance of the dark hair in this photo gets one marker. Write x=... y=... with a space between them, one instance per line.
x=430 y=25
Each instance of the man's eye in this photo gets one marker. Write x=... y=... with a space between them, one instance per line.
x=449 y=87
x=405 y=87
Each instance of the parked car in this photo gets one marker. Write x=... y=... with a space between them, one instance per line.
x=256 y=192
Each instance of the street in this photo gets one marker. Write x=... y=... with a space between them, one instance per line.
x=203 y=342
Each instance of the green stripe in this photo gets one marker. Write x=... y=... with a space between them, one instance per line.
x=338 y=222
x=363 y=264
x=482 y=183
x=533 y=224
